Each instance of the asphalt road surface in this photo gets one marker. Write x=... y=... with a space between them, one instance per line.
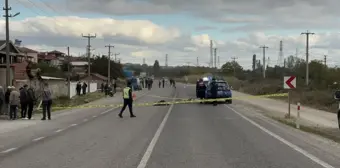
x=179 y=136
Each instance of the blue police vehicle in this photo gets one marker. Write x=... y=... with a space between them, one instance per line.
x=223 y=91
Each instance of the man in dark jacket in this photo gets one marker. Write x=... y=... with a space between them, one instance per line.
x=214 y=89
x=31 y=99
x=200 y=89
x=23 y=101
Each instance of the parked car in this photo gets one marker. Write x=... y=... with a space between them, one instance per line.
x=224 y=91
x=337 y=97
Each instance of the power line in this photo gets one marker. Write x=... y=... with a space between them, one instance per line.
x=89 y=37
x=109 y=63
x=307 y=33
x=264 y=60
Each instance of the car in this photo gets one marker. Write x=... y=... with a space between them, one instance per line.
x=337 y=97
x=224 y=91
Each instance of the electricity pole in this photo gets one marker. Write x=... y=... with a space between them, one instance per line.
x=234 y=62
x=197 y=61
x=109 y=63
x=69 y=73
x=8 y=57
x=89 y=37
x=264 y=61
x=166 y=60
x=307 y=33
x=325 y=60
x=215 y=53
x=116 y=57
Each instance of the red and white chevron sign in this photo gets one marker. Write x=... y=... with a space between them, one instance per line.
x=289 y=82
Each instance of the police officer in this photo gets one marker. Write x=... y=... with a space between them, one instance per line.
x=214 y=89
x=128 y=100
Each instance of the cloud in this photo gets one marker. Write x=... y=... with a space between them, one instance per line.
x=202 y=28
x=138 y=39
x=254 y=15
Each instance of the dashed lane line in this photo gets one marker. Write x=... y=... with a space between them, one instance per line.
x=38 y=139
x=59 y=130
x=9 y=150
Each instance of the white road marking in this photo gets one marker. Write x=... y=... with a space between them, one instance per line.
x=291 y=145
x=59 y=130
x=94 y=116
x=73 y=125
x=9 y=150
x=37 y=139
x=148 y=152
x=85 y=120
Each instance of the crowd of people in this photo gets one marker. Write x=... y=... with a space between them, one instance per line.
x=24 y=99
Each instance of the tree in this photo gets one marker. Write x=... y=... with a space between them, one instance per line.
x=99 y=64
x=231 y=68
x=156 y=68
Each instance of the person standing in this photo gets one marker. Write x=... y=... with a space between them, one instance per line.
x=128 y=100
x=84 y=88
x=163 y=81
x=23 y=101
x=78 y=88
x=46 y=102
x=14 y=101
x=31 y=99
x=214 y=89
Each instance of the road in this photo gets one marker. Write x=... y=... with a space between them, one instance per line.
x=179 y=136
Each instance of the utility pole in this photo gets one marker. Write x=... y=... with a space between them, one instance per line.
x=197 y=62
x=215 y=53
x=8 y=57
x=218 y=61
x=264 y=60
x=116 y=57
x=166 y=60
x=307 y=33
x=211 y=54
x=69 y=73
x=109 y=63
x=325 y=60
x=234 y=63
x=89 y=37
x=143 y=61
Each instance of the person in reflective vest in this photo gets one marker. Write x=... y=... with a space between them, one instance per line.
x=128 y=100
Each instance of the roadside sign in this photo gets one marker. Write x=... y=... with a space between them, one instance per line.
x=289 y=82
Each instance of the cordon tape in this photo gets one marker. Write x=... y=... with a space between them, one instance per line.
x=182 y=101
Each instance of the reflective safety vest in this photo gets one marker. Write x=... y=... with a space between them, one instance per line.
x=126 y=93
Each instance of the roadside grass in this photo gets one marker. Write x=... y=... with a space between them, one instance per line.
x=64 y=101
x=318 y=99
x=329 y=133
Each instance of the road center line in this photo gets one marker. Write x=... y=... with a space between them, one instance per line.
x=59 y=130
x=94 y=116
x=9 y=150
x=291 y=145
x=148 y=152
x=37 y=139
x=73 y=125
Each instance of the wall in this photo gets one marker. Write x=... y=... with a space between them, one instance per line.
x=58 y=87
x=35 y=57
x=93 y=88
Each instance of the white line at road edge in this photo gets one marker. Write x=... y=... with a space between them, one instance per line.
x=148 y=152
x=296 y=148
x=37 y=139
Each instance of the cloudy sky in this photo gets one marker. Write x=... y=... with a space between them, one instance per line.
x=182 y=29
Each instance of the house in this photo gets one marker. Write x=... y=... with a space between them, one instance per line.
x=54 y=58
x=17 y=61
x=29 y=53
x=79 y=68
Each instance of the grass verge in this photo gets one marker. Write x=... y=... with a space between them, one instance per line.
x=75 y=101
x=329 y=133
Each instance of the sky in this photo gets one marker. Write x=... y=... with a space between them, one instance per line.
x=150 y=29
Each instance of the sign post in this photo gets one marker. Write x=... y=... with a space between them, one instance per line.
x=289 y=82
